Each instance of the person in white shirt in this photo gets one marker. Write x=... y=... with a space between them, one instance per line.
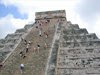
x=22 y=67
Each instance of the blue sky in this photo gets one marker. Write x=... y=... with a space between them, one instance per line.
x=7 y=27
x=14 y=14
x=5 y=10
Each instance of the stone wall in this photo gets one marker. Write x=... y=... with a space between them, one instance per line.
x=50 y=14
x=9 y=43
x=79 y=52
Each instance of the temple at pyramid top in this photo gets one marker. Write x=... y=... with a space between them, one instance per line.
x=50 y=14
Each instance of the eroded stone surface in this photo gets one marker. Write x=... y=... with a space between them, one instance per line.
x=73 y=51
x=79 y=52
x=8 y=44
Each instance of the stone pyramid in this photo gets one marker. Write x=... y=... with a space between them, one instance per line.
x=67 y=50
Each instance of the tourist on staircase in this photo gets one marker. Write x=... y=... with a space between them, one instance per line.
x=38 y=47
x=22 y=54
x=22 y=68
x=34 y=49
x=40 y=33
x=27 y=47
x=46 y=46
x=46 y=35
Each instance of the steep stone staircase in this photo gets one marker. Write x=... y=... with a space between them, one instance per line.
x=35 y=62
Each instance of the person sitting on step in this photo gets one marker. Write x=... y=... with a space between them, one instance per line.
x=22 y=54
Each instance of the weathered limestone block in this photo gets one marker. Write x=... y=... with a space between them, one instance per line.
x=70 y=44
x=2 y=41
x=50 y=14
x=93 y=71
x=11 y=45
x=20 y=30
x=69 y=23
x=3 y=55
x=75 y=31
x=8 y=47
x=95 y=42
x=80 y=38
x=26 y=27
x=75 y=26
x=91 y=36
x=62 y=71
x=81 y=31
x=70 y=63
x=97 y=50
x=1 y=46
x=11 y=40
x=14 y=35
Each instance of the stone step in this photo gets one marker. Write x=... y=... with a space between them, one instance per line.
x=20 y=30
x=3 y=55
x=1 y=46
x=71 y=31
x=2 y=41
x=80 y=41
x=86 y=36
x=28 y=26
x=14 y=35
x=11 y=40
x=76 y=26
x=7 y=47
x=95 y=42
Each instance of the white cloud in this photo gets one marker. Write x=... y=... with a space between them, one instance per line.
x=9 y=24
x=29 y=7
x=96 y=27
x=89 y=13
x=5 y=20
x=10 y=20
x=18 y=23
